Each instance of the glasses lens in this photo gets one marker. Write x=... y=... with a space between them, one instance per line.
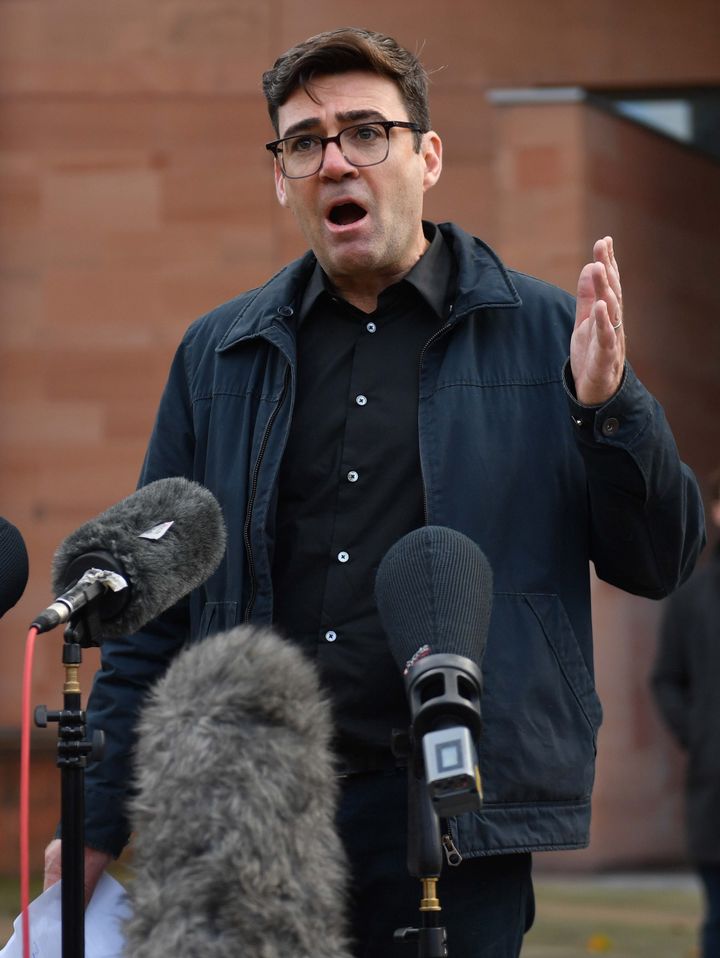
x=365 y=145
x=362 y=145
x=301 y=155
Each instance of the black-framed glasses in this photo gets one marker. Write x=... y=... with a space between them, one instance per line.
x=363 y=144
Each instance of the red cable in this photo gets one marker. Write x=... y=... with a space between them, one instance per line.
x=25 y=792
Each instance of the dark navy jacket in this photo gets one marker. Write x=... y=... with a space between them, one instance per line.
x=508 y=457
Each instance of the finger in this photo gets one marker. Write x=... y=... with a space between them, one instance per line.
x=608 y=336
x=606 y=324
x=611 y=254
x=601 y=285
x=604 y=253
x=605 y=249
x=605 y=293
x=603 y=326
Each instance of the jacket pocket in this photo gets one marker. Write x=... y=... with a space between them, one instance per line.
x=217 y=617
x=540 y=709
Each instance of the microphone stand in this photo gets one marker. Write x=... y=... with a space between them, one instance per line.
x=425 y=854
x=72 y=755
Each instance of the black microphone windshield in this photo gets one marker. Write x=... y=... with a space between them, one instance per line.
x=233 y=809
x=13 y=566
x=165 y=539
x=434 y=588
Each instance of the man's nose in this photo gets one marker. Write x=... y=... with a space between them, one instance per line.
x=334 y=165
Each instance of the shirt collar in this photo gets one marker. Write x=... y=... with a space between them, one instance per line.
x=430 y=276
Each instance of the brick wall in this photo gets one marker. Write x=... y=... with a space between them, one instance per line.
x=566 y=174
x=135 y=194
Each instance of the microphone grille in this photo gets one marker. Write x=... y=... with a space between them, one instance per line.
x=434 y=588
x=13 y=565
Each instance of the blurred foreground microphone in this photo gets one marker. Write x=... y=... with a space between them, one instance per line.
x=236 y=851
x=137 y=558
x=13 y=566
x=434 y=595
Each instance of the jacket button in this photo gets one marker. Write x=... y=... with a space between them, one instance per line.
x=610 y=426
x=286 y=311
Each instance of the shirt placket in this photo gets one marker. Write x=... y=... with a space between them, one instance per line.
x=346 y=571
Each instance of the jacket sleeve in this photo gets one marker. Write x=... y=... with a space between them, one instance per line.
x=670 y=681
x=647 y=525
x=130 y=665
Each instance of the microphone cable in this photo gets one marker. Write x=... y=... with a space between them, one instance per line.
x=25 y=790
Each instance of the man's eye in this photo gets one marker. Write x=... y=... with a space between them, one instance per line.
x=367 y=133
x=302 y=144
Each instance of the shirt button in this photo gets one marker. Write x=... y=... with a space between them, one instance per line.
x=371 y=327
x=286 y=311
x=610 y=426
x=331 y=636
x=343 y=556
x=352 y=476
x=361 y=400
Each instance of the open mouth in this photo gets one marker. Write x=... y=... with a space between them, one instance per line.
x=344 y=214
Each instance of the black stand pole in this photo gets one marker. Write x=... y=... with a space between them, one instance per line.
x=425 y=858
x=72 y=754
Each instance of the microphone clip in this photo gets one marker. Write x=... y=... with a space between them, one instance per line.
x=93 y=586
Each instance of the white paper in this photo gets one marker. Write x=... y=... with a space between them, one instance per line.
x=108 y=908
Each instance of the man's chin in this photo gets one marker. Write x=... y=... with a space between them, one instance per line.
x=349 y=260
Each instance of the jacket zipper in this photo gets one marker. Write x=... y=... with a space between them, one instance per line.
x=251 y=498
x=436 y=335
x=452 y=853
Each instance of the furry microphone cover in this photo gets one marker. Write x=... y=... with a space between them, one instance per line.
x=235 y=850
x=161 y=569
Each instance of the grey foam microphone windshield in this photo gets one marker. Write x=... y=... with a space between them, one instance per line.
x=434 y=592
x=13 y=566
x=236 y=851
x=165 y=539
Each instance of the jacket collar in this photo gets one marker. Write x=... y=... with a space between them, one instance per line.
x=270 y=306
x=482 y=282
x=482 y=279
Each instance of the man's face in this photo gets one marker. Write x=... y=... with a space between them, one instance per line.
x=359 y=221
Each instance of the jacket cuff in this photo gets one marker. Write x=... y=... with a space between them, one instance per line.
x=619 y=420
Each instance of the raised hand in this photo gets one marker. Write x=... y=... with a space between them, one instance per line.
x=597 y=347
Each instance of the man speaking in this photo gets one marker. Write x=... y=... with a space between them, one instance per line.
x=396 y=376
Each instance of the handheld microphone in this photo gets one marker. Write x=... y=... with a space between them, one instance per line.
x=434 y=595
x=138 y=557
x=13 y=566
x=236 y=851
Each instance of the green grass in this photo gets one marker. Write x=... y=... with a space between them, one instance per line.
x=622 y=917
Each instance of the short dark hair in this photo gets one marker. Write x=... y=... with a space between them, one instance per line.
x=339 y=51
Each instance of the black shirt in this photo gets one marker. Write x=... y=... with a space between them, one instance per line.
x=350 y=485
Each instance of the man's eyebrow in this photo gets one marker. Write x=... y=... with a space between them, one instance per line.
x=348 y=116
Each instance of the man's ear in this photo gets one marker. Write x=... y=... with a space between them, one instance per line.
x=279 y=183
x=432 y=154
